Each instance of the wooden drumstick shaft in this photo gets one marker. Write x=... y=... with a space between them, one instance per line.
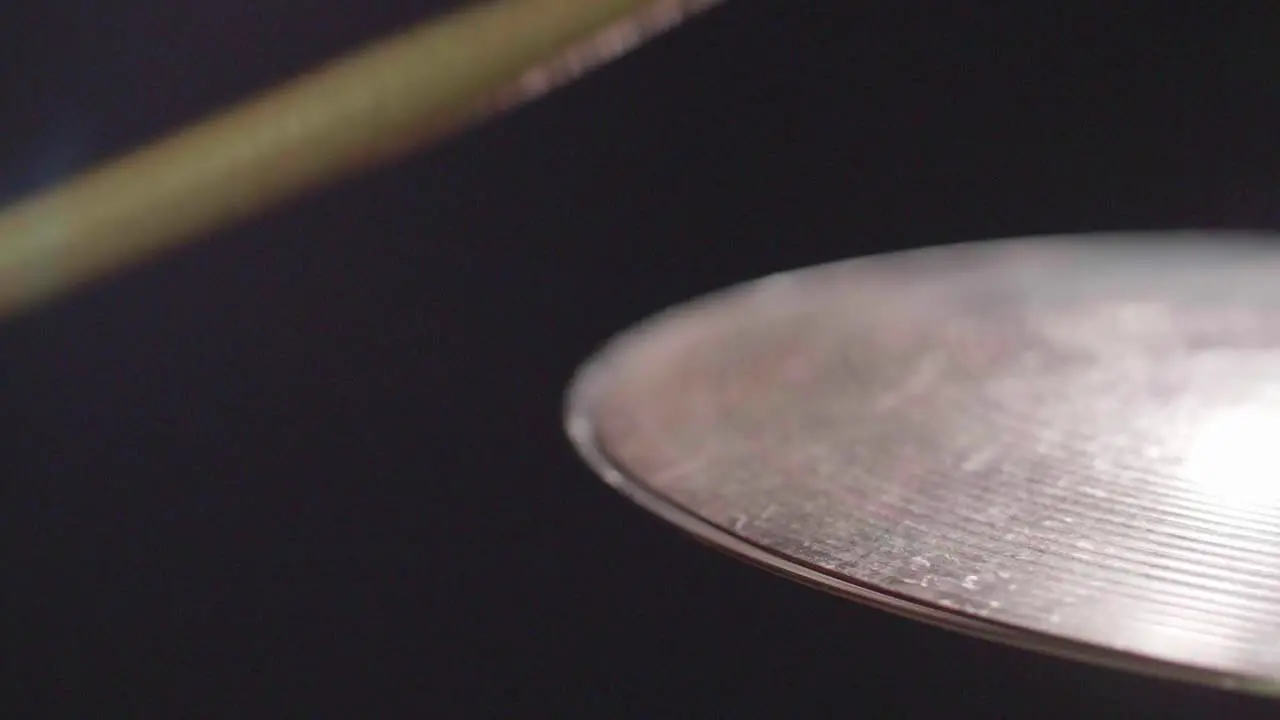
x=356 y=112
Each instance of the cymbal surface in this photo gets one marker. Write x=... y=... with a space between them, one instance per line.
x=1069 y=444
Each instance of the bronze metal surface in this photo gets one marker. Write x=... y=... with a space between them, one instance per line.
x=1068 y=444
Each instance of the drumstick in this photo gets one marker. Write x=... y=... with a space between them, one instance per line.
x=359 y=111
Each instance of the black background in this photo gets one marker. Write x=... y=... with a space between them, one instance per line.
x=314 y=467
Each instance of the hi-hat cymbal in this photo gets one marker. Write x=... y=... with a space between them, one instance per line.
x=1068 y=444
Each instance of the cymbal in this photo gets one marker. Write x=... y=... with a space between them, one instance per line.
x=1069 y=444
